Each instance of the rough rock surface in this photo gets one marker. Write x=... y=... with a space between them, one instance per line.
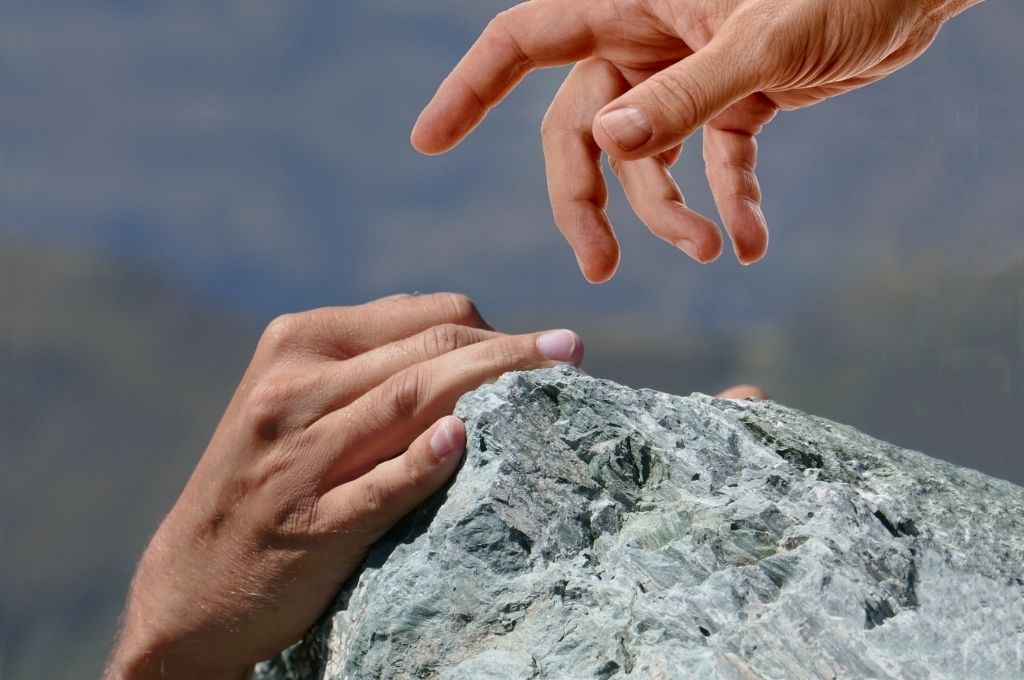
x=597 y=531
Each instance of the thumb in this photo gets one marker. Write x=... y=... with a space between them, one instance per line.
x=668 y=107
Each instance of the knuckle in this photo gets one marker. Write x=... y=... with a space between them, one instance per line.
x=459 y=308
x=550 y=124
x=281 y=333
x=679 y=98
x=446 y=338
x=498 y=24
x=507 y=354
x=500 y=34
x=776 y=50
x=406 y=391
x=739 y=180
x=374 y=498
x=413 y=473
x=268 y=404
x=296 y=518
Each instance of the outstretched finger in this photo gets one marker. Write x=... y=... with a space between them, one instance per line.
x=371 y=504
x=730 y=159
x=530 y=35
x=572 y=159
x=658 y=202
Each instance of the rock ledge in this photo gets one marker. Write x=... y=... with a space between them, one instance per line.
x=597 y=531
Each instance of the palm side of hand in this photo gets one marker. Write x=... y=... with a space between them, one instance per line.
x=662 y=69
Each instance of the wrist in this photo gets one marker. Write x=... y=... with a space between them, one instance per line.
x=143 y=669
x=134 y=660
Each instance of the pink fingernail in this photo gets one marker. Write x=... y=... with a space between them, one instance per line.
x=448 y=439
x=561 y=345
x=628 y=126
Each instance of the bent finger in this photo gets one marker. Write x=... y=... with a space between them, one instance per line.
x=670 y=157
x=338 y=384
x=345 y=332
x=730 y=160
x=530 y=35
x=386 y=419
x=371 y=504
x=576 y=185
x=658 y=202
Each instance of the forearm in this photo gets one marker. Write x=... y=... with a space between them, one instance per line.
x=133 y=659
x=144 y=669
x=149 y=647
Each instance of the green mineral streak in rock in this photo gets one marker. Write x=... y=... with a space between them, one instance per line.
x=597 y=531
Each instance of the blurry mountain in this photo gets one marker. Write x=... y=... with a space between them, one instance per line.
x=115 y=385
x=259 y=152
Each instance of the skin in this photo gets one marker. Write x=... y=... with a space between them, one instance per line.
x=339 y=428
x=340 y=425
x=648 y=74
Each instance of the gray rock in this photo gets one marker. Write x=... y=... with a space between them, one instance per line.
x=597 y=531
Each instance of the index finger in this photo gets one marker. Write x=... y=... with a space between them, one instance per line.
x=534 y=34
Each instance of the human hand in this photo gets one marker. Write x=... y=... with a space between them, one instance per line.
x=337 y=430
x=649 y=74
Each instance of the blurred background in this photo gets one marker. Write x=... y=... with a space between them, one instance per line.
x=174 y=175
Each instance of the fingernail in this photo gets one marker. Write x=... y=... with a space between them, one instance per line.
x=690 y=248
x=447 y=439
x=561 y=345
x=628 y=126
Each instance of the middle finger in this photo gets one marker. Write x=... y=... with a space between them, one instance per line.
x=572 y=158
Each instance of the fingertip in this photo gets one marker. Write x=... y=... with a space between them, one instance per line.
x=598 y=268
x=750 y=235
x=448 y=438
x=701 y=238
x=714 y=251
x=744 y=392
x=443 y=122
x=709 y=242
x=425 y=141
x=702 y=253
x=750 y=251
x=561 y=345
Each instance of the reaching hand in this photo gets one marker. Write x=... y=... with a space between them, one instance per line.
x=338 y=429
x=651 y=72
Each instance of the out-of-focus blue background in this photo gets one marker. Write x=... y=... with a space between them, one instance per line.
x=173 y=175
